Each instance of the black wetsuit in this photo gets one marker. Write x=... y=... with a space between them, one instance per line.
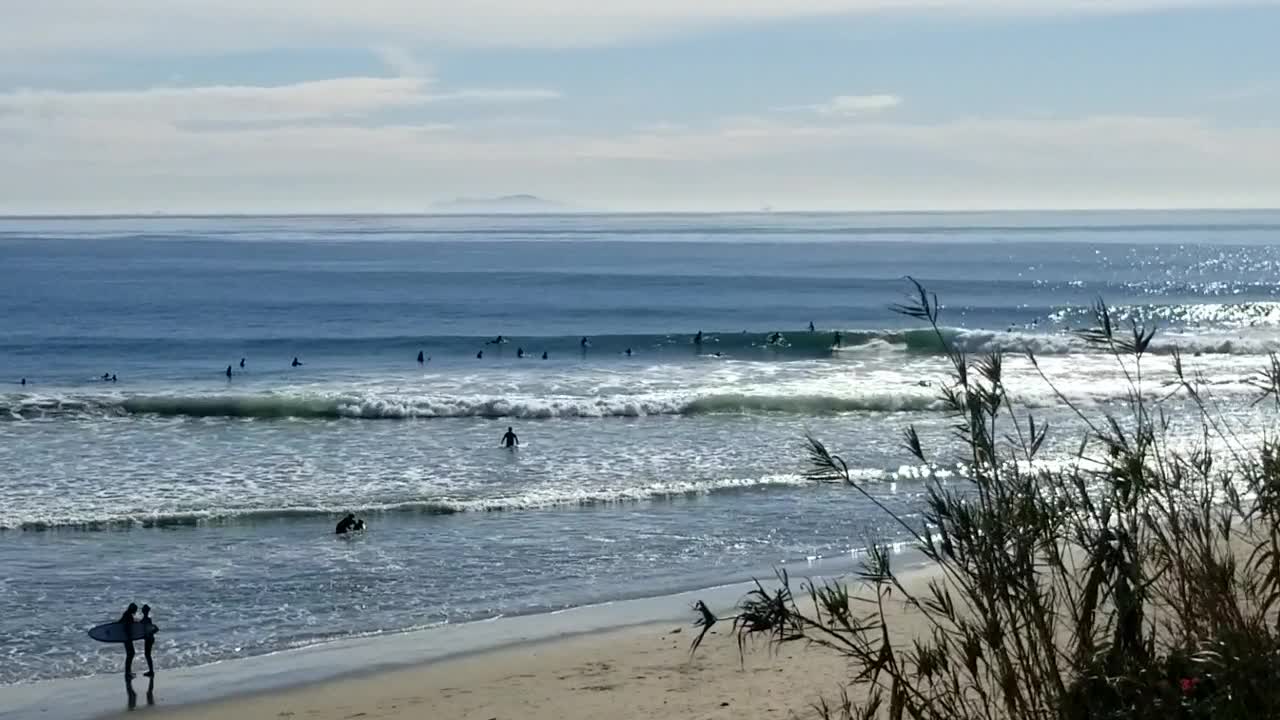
x=345 y=525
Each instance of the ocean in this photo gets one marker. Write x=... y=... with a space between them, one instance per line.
x=649 y=464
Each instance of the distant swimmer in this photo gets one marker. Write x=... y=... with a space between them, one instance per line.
x=628 y=352
x=420 y=360
x=106 y=377
x=346 y=524
x=296 y=363
x=497 y=341
x=510 y=441
x=24 y=380
x=519 y=352
x=241 y=363
x=113 y=377
x=811 y=326
x=480 y=355
x=697 y=339
x=544 y=354
x=585 y=343
x=228 y=372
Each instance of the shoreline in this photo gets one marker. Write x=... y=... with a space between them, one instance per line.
x=364 y=659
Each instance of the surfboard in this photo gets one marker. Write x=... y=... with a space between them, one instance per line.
x=113 y=632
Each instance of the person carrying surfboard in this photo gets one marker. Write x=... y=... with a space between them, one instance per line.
x=149 y=641
x=127 y=620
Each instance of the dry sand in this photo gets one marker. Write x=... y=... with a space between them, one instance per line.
x=638 y=672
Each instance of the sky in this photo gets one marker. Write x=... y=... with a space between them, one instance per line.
x=138 y=106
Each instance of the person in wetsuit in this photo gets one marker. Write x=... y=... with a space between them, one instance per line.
x=697 y=339
x=420 y=361
x=519 y=352
x=346 y=524
x=228 y=372
x=296 y=363
x=149 y=641
x=127 y=620
x=544 y=354
x=509 y=440
x=241 y=363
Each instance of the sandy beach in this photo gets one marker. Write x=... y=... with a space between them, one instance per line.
x=636 y=672
x=641 y=672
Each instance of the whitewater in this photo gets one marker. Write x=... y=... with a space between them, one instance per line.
x=649 y=462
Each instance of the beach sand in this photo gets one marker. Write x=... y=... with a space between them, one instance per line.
x=636 y=672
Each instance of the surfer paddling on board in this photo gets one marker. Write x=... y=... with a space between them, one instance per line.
x=126 y=621
x=510 y=441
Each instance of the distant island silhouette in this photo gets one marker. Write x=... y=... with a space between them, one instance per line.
x=522 y=203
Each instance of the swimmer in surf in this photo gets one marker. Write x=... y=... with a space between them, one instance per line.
x=628 y=352
x=810 y=326
x=480 y=355
x=519 y=352
x=228 y=372
x=420 y=357
x=585 y=343
x=838 y=339
x=346 y=525
x=697 y=339
x=296 y=363
x=241 y=363
x=544 y=354
x=497 y=341
x=510 y=441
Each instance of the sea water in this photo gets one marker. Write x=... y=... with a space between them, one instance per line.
x=673 y=466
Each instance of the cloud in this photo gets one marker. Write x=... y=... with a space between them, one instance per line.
x=336 y=98
x=151 y=27
x=116 y=164
x=402 y=62
x=849 y=105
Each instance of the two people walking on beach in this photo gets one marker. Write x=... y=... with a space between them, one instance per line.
x=148 y=641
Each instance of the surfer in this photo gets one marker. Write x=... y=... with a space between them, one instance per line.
x=296 y=363
x=811 y=326
x=241 y=363
x=480 y=355
x=149 y=641
x=519 y=352
x=113 y=377
x=510 y=441
x=628 y=352
x=775 y=338
x=497 y=341
x=838 y=339
x=420 y=361
x=585 y=343
x=346 y=524
x=106 y=377
x=24 y=380
x=228 y=372
x=544 y=357
x=697 y=339
x=126 y=621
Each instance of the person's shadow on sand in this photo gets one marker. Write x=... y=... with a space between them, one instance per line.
x=133 y=694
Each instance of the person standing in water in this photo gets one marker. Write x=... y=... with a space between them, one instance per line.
x=480 y=355
x=811 y=328
x=127 y=621
x=519 y=352
x=228 y=372
x=346 y=524
x=241 y=363
x=838 y=339
x=544 y=357
x=149 y=641
x=296 y=363
x=510 y=441
x=420 y=357
x=697 y=339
